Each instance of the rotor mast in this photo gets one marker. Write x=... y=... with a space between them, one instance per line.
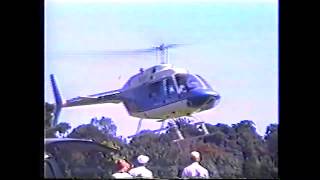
x=163 y=51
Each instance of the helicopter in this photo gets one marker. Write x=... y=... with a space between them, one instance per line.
x=161 y=92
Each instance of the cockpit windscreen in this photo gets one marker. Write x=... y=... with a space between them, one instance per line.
x=187 y=82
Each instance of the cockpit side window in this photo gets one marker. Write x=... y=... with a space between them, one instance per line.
x=156 y=89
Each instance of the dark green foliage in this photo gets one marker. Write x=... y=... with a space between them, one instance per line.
x=61 y=128
x=271 y=139
x=48 y=110
x=87 y=131
x=105 y=125
x=235 y=151
x=50 y=132
x=48 y=115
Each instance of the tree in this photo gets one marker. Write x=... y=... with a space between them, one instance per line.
x=50 y=132
x=251 y=168
x=217 y=138
x=228 y=152
x=62 y=128
x=271 y=139
x=105 y=125
x=225 y=128
x=245 y=125
x=271 y=129
x=87 y=131
x=48 y=114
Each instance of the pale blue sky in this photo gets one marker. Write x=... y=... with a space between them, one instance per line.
x=233 y=45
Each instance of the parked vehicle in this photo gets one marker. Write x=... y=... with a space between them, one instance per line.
x=77 y=158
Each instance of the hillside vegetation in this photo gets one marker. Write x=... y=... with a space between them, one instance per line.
x=235 y=151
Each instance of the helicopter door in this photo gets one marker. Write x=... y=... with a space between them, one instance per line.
x=162 y=92
x=182 y=83
x=169 y=88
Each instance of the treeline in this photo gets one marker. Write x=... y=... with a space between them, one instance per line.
x=235 y=151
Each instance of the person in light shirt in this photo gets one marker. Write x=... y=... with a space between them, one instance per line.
x=195 y=169
x=141 y=171
x=122 y=170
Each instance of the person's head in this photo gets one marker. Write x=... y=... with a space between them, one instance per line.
x=195 y=156
x=142 y=159
x=123 y=165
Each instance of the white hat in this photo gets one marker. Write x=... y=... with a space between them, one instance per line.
x=143 y=159
x=195 y=154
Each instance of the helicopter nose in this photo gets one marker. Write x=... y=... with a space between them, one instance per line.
x=213 y=100
x=217 y=98
x=200 y=98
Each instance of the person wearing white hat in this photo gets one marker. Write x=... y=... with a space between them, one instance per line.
x=195 y=169
x=141 y=170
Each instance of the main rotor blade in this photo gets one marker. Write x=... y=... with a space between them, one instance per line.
x=163 y=46
x=116 y=52
x=173 y=45
x=106 y=53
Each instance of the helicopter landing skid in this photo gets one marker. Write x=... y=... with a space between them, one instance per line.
x=158 y=131
x=200 y=125
x=191 y=138
x=177 y=130
x=139 y=126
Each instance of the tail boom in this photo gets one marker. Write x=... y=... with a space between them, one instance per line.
x=58 y=100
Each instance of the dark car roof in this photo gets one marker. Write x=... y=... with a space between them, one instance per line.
x=48 y=141
x=52 y=140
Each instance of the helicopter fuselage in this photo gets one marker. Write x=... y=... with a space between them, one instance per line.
x=163 y=92
x=160 y=92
